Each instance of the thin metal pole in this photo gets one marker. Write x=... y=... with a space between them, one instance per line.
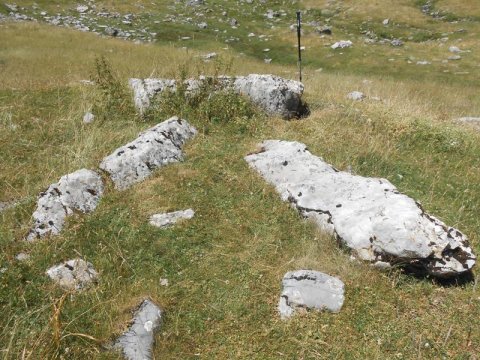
x=299 y=34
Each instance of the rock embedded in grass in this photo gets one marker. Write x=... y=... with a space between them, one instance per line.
x=78 y=191
x=310 y=290
x=73 y=274
x=356 y=96
x=168 y=219
x=137 y=342
x=274 y=95
x=152 y=149
x=368 y=215
x=342 y=44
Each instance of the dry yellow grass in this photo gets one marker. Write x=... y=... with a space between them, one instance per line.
x=462 y=8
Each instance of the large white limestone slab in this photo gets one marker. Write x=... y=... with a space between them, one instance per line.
x=78 y=191
x=368 y=215
x=154 y=148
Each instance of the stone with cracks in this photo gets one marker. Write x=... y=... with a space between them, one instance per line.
x=73 y=274
x=168 y=219
x=275 y=95
x=368 y=215
x=308 y=289
x=137 y=342
x=78 y=191
x=154 y=148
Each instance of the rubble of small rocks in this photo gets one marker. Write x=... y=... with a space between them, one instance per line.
x=137 y=342
x=153 y=148
x=275 y=95
x=73 y=274
x=368 y=215
x=168 y=219
x=310 y=290
x=78 y=191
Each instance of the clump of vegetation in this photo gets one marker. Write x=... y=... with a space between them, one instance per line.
x=111 y=98
x=204 y=101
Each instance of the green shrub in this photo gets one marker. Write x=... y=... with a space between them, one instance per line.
x=111 y=98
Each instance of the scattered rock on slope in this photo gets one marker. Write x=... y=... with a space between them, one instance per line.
x=137 y=342
x=78 y=191
x=368 y=215
x=356 y=96
x=73 y=274
x=342 y=44
x=275 y=95
x=168 y=219
x=307 y=289
x=154 y=148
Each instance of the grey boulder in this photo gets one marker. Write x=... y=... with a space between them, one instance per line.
x=137 y=342
x=368 y=215
x=356 y=96
x=273 y=94
x=73 y=274
x=168 y=219
x=78 y=191
x=154 y=148
x=308 y=289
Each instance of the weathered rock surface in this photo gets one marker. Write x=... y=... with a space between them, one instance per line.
x=137 y=342
x=88 y=117
x=154 y=148
x=275 y=95
x=78 y=191
x=368 y=215
x=145 y=90
x=308 y=289
x=73 y=274
x=168 y=219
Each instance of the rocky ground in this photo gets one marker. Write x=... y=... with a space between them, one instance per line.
x=140 y=211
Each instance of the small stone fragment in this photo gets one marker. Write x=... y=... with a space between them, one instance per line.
x=137 y=342
x=22 y=256
x=356 y=96
x=396 y=42
x=88 y=118
x=168 y=219
x=82 y=8
x=342 y=44
x=73 y=274
x=386 y=22
x=454 y=49
x=308 y=289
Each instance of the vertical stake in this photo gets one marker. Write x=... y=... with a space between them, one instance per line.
x=299 y=34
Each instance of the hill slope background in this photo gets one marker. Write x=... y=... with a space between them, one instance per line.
x=224 y=266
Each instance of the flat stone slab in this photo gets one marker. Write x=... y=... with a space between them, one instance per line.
x=73 y=274
x=79 y=191
x=368 y=215
x=168 y=219
x=137 y=342
x=310 y=290
x=275 y=95
x=154 y=148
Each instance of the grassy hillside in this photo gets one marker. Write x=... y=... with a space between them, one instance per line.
x=224 y=266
